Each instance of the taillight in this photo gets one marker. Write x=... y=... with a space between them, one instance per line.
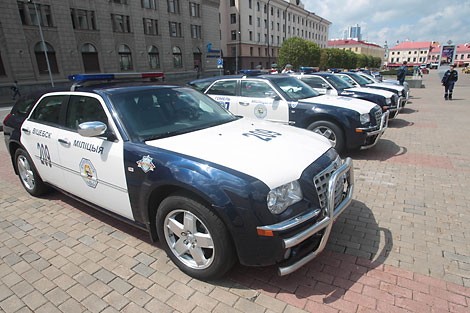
x=6 y=118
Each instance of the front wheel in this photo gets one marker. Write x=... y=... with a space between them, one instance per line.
x=29 y=177
x=194 y=238
x=331 y=131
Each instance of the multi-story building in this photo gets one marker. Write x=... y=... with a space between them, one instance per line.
x=462 y=55
x=359 y=47
x=414 y=53
x=252 y=31
x=353 y=32
x=105 y=36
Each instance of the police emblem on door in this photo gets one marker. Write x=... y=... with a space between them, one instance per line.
x=146 y=164
x=261 y=111
x=88 y=173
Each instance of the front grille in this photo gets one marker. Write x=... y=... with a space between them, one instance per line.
x=321 y=184
x=395 y=100
x=378 y=117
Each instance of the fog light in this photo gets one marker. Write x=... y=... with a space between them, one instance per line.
x=287 y=254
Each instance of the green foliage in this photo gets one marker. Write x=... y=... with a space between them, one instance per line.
x=294 y=51
x=314 y=54
x=323 y=59
x=361 y=60
x=350 y=59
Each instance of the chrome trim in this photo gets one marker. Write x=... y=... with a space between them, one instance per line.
x=327 y=222
x=290 y=223
x=380 y=131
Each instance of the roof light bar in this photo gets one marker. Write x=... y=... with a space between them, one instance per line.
x=250 y=72
x=306 y=69
x=113 y=76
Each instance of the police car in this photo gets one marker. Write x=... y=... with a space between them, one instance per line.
x=347 y=122
x=375 y=80
x=329 y=84
x=360 y=81
x=211 y=186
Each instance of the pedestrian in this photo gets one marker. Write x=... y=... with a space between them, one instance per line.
x=448 y=81
x=401 y=74
x=287 y=69
x=367 y=71
x=198 y=71
x=16 y=90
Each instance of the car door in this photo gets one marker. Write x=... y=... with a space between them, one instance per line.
x=260 y=100
x=94 y=166
x=225 y=92
x=40 y=134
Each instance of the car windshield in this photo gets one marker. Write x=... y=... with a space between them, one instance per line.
x=367 y=78
x=294 y=88
x=155 y=113
x=201 y=85
x=337 y=82
x=360 y=80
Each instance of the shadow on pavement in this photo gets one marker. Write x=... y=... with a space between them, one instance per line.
x=384 y=150
x=399 y=123
x=408 y=111
x=356 y=246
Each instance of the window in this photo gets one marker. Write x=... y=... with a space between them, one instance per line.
x=250 y=20
x=125 y=58
x=21 y=10
x=2 y=68
x=174 y=6
x=278 y=28
x=121 y=23
x=83 y=19
x=251 y=51
x=177 y=57
x=150 y=26
x=251 y=35
x=265 y=23
x=255 y=89
x=175 y=29
x=314 y=81
x=264 y=8
x=48 y=110
x=277 y=13
x=249 y=4
x=233 y=18
x=83 y=109
x=258 y=22
x=120 y=1
x=233 y=35
x=416 y=52
x=41 y=58
x=258 y=37
x=194 y=9
x=257 y=6
x=90 y=59
x=259 y=51
x=149 y=4
x=393 y=52
x=272 y=11
x=224 y=87
x=196 y=32
x=392 y=59
x=154 y=57
x=234 y=51
x=41 y=12
x=232 y=3
x=197 y=57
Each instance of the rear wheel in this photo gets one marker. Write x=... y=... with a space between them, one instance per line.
x=194 y=238
x=29 y=177
x=331 y=131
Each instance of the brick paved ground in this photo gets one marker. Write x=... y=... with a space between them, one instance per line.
x=402 y=246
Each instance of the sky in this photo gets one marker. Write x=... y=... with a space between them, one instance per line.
x=397 y=20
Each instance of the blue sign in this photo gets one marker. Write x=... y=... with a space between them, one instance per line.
x=210 y=50
x=220 y=63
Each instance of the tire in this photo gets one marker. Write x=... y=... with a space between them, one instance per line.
x=28 y=174
x=181 y=222
x=331 y=131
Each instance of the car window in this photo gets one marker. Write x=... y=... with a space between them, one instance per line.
x=48 y=110
x=347 y=79
x=224 y=88
x=164 y=112
x=23 y=106
x=337 y=82
x=294 y=88
x=83 y=109
x=255 y=89
x=367 y=79
x=314 y=82
x=200 y=86
x=361 y=81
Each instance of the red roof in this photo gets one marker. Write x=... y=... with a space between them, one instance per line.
x=408 y=45
x=350 y=42
x=463 y=48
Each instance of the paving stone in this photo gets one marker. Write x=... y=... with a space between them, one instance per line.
x=143 y=270
x=116 y=300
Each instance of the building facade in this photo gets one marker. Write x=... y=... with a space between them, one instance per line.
x=353 y=32
x=414 y=53
x=105 y=36
x=252 y=31
x=359 y=47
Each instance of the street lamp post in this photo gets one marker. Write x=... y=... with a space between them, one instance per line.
x=44 y=47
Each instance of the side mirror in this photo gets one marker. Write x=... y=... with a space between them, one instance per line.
x=271 y=94
x=325 y=86
x=92 y=129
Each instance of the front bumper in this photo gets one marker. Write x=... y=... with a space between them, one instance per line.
x=322 y=227
x=374 y=134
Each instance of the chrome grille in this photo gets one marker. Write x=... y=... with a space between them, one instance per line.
x=321 y=184
x=378 y=117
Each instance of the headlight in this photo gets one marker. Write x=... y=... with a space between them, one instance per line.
x=280 y=198
x=364 y=118
x=388 y=101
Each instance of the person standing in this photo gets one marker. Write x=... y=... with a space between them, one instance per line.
x=401 y=74
x=448 y=81
x=16 y=90
x=287 y=69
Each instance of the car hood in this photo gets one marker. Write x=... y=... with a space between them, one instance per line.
x=385 y=85
x=358 y=105
x=274 y=161
x=375 y=91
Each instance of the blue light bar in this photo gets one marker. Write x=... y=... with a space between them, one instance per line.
x=306 y=69
x=113 y=76
x=250 y=72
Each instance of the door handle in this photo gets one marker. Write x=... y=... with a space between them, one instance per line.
x=64 y=141
x=244 y=103
x=26 y=130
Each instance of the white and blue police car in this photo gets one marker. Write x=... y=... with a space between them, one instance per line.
x=387 y=82
x=213 y=187
x=329 y=84
x=347 y=122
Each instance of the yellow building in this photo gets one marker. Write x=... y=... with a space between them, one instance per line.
x=359 y=47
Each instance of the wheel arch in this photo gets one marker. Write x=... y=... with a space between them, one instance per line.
x=13 y=147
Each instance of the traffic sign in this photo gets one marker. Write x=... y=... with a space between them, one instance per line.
x=220 y=63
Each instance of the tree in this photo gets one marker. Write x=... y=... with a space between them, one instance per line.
x=361 y=60
x=315 y=53
x=323 y=59
x=294 y=51
x=350 y=59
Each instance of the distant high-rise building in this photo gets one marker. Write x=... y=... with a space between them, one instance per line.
x=353 y=32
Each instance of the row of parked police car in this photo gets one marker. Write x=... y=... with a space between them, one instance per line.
x=253 y=176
